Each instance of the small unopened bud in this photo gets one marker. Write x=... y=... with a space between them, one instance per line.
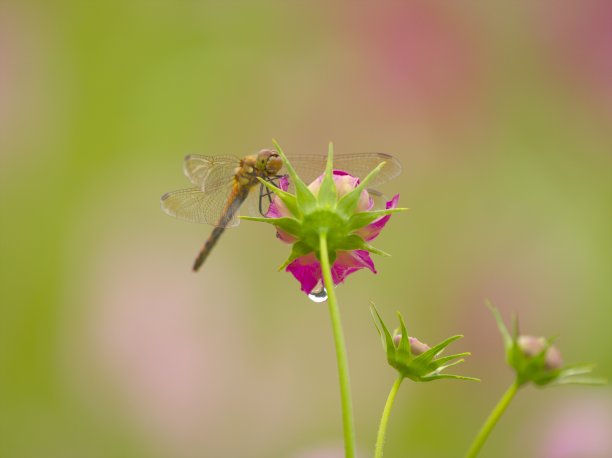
x=396 y=339
x=532 y=346
x=417 y=346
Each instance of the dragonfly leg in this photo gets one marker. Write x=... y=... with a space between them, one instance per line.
x=265 y=193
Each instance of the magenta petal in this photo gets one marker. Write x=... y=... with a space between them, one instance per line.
x=277 y=209
x=348 y=262
x=372 y=230
x=307 y=271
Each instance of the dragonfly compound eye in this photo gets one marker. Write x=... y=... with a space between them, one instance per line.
x=274 y=164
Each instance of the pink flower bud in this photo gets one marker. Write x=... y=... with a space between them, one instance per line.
x=532 y=346
x=416 y=346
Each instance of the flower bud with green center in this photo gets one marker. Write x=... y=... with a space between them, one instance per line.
x=412 y=358
x=533 y=346
x=336 y=206
x=416 y=346
x=536 y=360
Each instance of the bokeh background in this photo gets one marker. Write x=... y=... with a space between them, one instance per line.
x=110 y=346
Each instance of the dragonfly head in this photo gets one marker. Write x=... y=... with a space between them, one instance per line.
x=269 y=162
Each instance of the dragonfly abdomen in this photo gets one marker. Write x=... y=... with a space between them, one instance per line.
x=232 y=207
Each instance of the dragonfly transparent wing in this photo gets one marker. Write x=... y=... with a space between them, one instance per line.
x=195 y=206
x=210 y=172
x=258 y=201
x=310 y=166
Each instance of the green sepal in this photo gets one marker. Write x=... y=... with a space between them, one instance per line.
x=387 y=340
x=298 y=250
x=348 y=202
x=290 y=225
x=430 y=354
x=444 y=359
x=501 y=325
x=351 y=242
x=591 y=381
x=375 y=250
x=431 y=378
x=328 y=193
x=305 y=198
x=575 y=375
x=404 y=343
x=362 y=219
x=287 y=198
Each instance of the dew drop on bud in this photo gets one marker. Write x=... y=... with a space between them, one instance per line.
x=318 y=293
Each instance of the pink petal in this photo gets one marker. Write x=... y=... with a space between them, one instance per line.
x=372 y=230
x=277 y=208
x=348 y=262
x=307 y=271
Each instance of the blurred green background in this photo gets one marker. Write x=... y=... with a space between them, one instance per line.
x=111 y=347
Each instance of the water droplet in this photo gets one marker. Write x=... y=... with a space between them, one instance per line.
x=318 y=293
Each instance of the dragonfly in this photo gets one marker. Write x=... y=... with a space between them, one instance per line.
x=225 y=186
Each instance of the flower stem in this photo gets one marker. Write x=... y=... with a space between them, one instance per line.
x=343 y=372
x=499 y=409
x=382 y=428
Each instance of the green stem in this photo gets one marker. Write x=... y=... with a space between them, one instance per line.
x=343 y=372
x=382 y=428
x=500 y=408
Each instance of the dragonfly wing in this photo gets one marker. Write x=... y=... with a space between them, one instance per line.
x=195 y=206
x=208 y=172
x=257 y=202
x=310 y=166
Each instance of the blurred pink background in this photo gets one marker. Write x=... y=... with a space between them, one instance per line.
x=111 y=346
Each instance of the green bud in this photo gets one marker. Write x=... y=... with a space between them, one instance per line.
x=536 y=360
x=412 y=358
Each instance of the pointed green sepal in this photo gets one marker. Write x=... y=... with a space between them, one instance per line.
x=431 y=378
x=298 y=250
x=430 y=354
x=503 y=330
x=288 y=199
x=404 y=343
x=362 y=219
x=305 y=199
x=348 y=203
x=385 y=335
x=328 y=193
